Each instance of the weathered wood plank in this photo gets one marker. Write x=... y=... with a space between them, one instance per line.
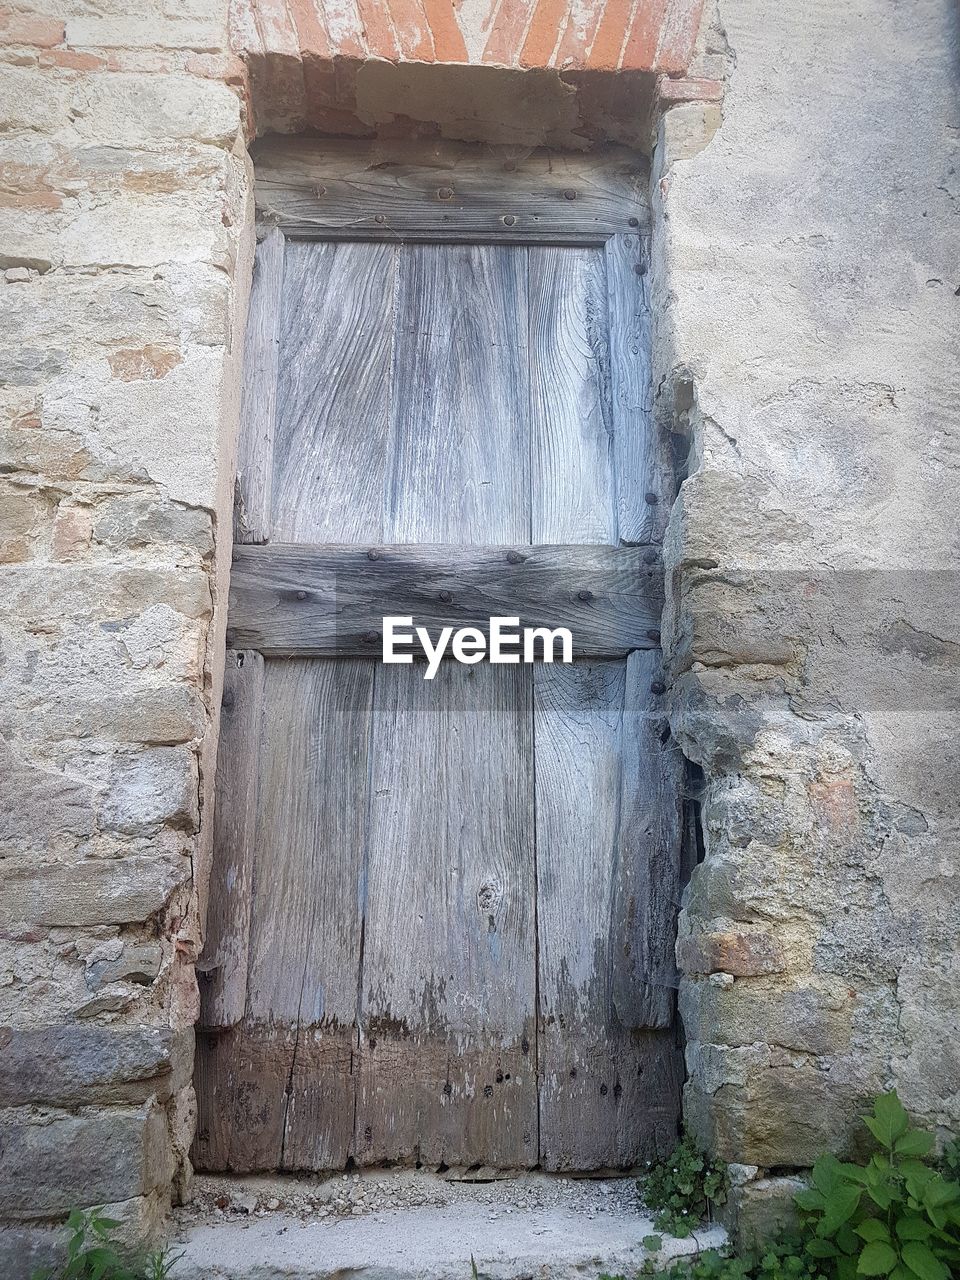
x=448 y=1068
x=643 y=471
x=356 y=191
x=571 y=424
x=296 y=1055
x=333 y=392
x=458 y=470
x=259 y=399
x=222 y=969
x=648 y=856
x=608 y=1086
x=329 y=600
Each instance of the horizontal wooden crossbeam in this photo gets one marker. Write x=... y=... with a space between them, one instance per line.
x=288 y=600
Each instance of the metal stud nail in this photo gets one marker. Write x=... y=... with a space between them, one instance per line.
x=301 y=595
x=569 y=194
x=633 y=222
x=514 y=557
x=508 y=220
x=651 y=499
x=658 y=687
x=370 y=637
x=445 y=596
x=380 y=218
x=373 y=554
x=640 y=268
x=585 y=596
x=445 y=193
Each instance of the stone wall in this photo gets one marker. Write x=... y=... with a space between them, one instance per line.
x=125 y=230
x=806 y=286
x=808 y=321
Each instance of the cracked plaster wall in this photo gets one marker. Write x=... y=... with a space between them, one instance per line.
x=807 y=296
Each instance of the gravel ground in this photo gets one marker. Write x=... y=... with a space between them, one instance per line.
x=356 y=1194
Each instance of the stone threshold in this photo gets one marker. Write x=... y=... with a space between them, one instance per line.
x=412 y=1225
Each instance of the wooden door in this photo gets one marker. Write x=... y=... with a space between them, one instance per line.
x=441 y=913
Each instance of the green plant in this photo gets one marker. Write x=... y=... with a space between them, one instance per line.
x=781 y=1260
x=897 y=1216
x=684 y=1189
x=93 y=1254
x=949 y=1162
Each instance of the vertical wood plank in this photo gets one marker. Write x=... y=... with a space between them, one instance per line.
x=222 y=969
x=333 y=392
x=609 y=1085
x=642 y=467
x=459 y=469
x=648 y=856
x=295 y=1059
x=448 y=1037
x=259 y=399
x=570 y=409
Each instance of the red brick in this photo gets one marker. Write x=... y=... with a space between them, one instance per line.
x=678 y=35
x=608 y=46
x=447 y=37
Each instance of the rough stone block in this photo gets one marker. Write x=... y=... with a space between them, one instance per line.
x=96 y=891
x=137 y=962
x=783 y=1117
x=152 y=787
x=51 y=1165
x=135 y=110
x=807 y=1019
x=141 y=521
x=26 y=1250
x=41 y=808
x=75 y=1065
x=165 y=716
x=761 y=1210
x=743 y=954
x=42 y=596
x=22 y=516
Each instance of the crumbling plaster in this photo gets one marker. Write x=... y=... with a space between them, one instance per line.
x=806 y=288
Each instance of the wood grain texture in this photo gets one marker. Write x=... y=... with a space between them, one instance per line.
x=447 y=1028
x=393 y=190
x=329 y=600
x=571 y=427
x=259 y=398
x=648 y=856
x=305 y=940
x=222 y=968
x=458 y=468
x=644 y=489
x=603 y=1099
x=333 y=392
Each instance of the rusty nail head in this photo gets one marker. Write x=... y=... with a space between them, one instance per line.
x=446 y=596
x=650 y=557
x=569 y=194
x=633 y=222
x=654 y=635
x=640 y=268
x=658 y=687
x=380 y=218
x=370 y=637
x=445 y=193
x=301 y=595
x=373 y=554
x=651 y=499
x=585 y=595
x=514 y=557
x=508 y=220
